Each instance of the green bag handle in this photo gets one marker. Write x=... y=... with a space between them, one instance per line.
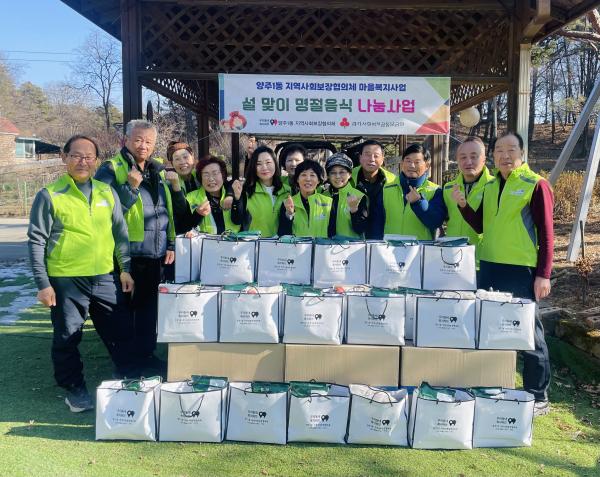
x=431 y=393
x=485 y=392
x=268 y=387
x=137 y=384
x=293 y=239
x=402 y=243
x=231 y=236
x=203 y=383
x=300 y=290
x=381 y=292
x=239 y=287
x=304 y=389
x=459 y=242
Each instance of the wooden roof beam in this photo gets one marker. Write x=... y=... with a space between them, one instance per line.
x=541 y=16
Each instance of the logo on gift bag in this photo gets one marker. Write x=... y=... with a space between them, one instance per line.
x=232 y=259
x=318 y=316
x=248 y=317
x=256 y=417
x=378 y=425
x=325 y=418
x=316 y=421
x=373 y=316
x=345 y=262
x=262 y=414
x=445 y=425
x=452 y=422
x=193 y=313
x=130 y=413
x=453 y=319
x=401 y=264
x=124 y=416
x=447 y=322
x=385 y=422
x=516 y=323
x=290 y=261
x=254 y=314
x=508 y=325
x=512 y=420
x=504 y=423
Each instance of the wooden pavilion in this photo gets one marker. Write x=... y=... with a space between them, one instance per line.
x=177 y=47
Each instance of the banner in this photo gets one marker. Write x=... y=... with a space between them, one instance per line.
x=347 y=105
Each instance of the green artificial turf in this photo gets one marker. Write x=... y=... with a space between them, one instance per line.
x=39 y=436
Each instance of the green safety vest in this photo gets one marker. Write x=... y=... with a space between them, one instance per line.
x=265 y=214
x=400 y=218
x=135 y=215
x=457 y=226
x=389 y=176
x=182 y=182
x=197 y=198
x=315 y=225
x=509 y=234
x=86 y=245
x=343 y=219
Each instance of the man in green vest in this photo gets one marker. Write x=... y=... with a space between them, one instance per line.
x=148 y=210
x=370 y=178
x=471 y=180
x=76 y=225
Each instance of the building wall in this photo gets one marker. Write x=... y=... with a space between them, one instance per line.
x=7 y=148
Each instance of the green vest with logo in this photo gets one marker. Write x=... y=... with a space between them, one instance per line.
x=86 y=245
x=135 y=215
x=197 y=198
x=509 y=234
x=389 y=176
x=400 y=218
x=343 y=219
x=315 y=225
x=457 y=226
x=265 y=213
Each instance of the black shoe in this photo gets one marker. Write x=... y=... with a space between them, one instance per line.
x=78 y=399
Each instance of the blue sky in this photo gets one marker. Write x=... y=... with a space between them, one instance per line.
x=48 y=27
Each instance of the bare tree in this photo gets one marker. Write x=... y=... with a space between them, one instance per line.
x=97 y=70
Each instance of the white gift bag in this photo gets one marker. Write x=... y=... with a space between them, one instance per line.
x=284 y=261
x=190 y=414
x=127 y=409
x=187 y=314
x=313 y=319
x=318 y=416
x=227 y=260
x=250 y=315
x=507 y=324
x=395 y=264
x=187 y=258
x=257 y=415
x=503 y=418
x=441 y=421
x=445 y=322
x=339 y=263
x=378 y=416
x=376 y=319
x=449 y=268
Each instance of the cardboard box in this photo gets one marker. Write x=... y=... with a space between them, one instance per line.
x=237 y=361
x=343 y=364
x=457 y=367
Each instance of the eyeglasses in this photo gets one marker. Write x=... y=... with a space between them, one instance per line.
x=209 y=175
x=78 y=158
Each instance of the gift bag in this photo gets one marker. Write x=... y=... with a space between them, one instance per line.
x=287 y=260
x=503 y=417
x=376 y=319
x=445 y=321
x=250 y=315
x=227 y=260
x=318 y=412
x=507 y=324
x=339 y=263
x=187 y=314
x=411 y=309
x=395 y=264
x=448 y=267
x=257 y=412
x=187 y=258
x=378 y=416
x=193 y=411
x=441 y=418
x=127 y=409
x=312 y=317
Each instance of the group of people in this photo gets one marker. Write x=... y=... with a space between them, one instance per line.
x=124 y=218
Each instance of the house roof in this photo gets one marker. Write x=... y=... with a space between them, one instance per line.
x=7 y=127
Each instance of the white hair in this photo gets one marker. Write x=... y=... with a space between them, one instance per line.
x=138 y=124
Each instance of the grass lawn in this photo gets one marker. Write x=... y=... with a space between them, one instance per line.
x=39 y=436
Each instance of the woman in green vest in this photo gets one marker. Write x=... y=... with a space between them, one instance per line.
x=182 y=180
x=307 y=213
x=516 y=219
x=263 y=193
x=349 y=208
x=291 y=156
x=206 y=203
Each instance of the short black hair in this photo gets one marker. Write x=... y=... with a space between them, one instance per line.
x=417 y=148
x=309 y=165
x=511 y=133
x=290 y=149
x=370 y=142
x=77 y=137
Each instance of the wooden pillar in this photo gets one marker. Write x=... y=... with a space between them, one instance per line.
x=235 y=155
x=130 y=40
x=437 y=154
x=203 y=135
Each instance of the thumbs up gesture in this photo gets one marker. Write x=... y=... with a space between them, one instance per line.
x=413 y=195
x=458 y=196
x=203 y=209
x=352 y=202
x=289 y=205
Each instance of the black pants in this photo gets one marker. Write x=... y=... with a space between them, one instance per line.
x=102 y=297
x=147 y=273
x=519 y=280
